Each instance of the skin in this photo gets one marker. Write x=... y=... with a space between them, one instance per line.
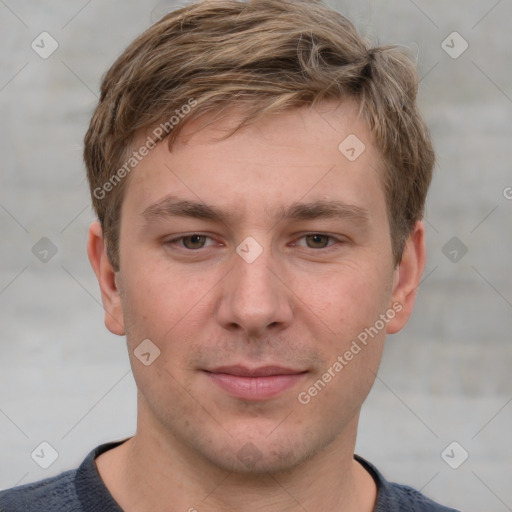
x=300 y=304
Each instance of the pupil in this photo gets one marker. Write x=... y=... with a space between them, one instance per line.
x=194 y=240
x=317 y=239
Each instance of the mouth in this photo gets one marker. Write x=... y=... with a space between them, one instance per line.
x=255 y=384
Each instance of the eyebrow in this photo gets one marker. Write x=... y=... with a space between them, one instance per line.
x=321 y=209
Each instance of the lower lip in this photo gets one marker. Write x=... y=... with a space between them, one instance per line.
x=255 y=388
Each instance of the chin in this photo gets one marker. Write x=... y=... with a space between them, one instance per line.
x=262 y=456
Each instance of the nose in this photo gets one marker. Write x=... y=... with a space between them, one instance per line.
x=255 y=297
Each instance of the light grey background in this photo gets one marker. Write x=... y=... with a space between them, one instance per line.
x=447 y=377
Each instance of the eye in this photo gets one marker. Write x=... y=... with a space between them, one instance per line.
x=191 y=242
x=318 y=240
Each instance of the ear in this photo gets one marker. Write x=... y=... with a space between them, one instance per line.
x=107 y=279
x=407 y=278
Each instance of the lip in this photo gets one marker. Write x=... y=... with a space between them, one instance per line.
x=255 y=384
x=261 y=371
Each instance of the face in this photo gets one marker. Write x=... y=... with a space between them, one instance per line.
x=260 y=269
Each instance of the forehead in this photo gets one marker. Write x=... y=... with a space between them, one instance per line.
x=322 y=153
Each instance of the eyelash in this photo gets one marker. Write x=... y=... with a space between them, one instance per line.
x=329 y=247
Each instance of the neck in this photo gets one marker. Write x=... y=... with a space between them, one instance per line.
x=151 y=471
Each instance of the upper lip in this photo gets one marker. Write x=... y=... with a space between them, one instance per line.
x=262 y=371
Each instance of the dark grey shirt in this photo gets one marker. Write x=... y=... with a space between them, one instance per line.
x=82 y=490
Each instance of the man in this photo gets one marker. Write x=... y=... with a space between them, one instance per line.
x=259 y=176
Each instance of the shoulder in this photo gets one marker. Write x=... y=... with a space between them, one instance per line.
x=75 y=490
x=51 y=494
x=406 y=498
x=393 y=497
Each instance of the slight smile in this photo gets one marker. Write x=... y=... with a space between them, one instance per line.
x=255 y=384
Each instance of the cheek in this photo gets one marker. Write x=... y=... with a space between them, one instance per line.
x=348 y=300
x=332 y=398
x=157 y=299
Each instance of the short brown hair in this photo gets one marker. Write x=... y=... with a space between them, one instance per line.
x=266 y=56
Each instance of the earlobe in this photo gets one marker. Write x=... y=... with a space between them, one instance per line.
x=407 y=278
x=107 y=279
